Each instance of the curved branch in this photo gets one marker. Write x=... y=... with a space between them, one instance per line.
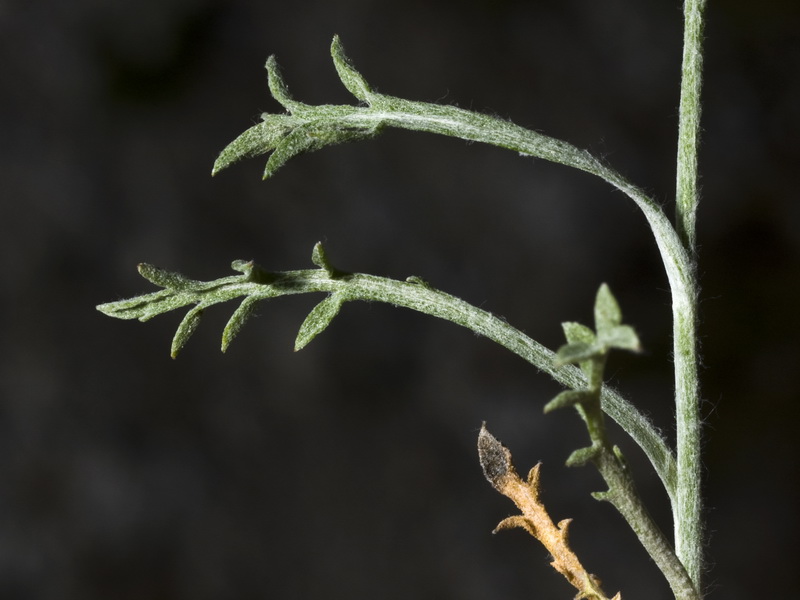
x=255 y=284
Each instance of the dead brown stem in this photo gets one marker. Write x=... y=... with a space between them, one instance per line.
x=495 y=459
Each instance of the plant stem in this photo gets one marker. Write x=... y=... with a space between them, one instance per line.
x=308 y=128
x=409 y=294
x=328 y=124
x=689 y=122
x=687 y=511
x=622 y=494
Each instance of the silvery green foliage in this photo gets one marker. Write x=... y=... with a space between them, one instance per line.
x=585 y=347
x=305 y=128
x=254 y=285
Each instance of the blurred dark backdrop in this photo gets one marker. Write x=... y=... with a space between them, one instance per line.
x=349 y=470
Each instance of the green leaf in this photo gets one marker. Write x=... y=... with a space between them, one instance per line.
x=569 y=398
x=583 y=455
x=186 y=328
x=164 y=278
x=577 y=353
x=243 y=266
x=623 y=337
x=319 y=257
x=352 y=79
x=318 y=320
x=620 y=456
x=252 y=272
x=279 y=89
x=135 y=308
x=293 y=143
x=255 y=141
x=577 y=333
x=582 y=348
x=416 y=295
x=603 y=496
x=417 y=281
x=315 y=135
x=237 y=320
x=607 y=313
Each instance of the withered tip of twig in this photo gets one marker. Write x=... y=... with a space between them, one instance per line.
x=495 y=458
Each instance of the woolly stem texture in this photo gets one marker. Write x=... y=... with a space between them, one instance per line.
x=256 y=285
x=687 y=510
x=307 y=128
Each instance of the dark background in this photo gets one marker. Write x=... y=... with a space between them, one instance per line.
x=349 y=470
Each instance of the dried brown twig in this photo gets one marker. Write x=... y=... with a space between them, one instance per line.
x=495 y=459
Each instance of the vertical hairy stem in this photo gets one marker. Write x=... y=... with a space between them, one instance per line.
x=689 y=122
x=688 y=507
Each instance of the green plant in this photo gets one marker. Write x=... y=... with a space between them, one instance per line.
x=578 y=365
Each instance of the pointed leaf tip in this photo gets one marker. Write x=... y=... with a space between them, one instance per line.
x=577 y=333
x=243 y=266
x=582 y=456
x=318 y=320
x=237 y=321
x=622 y=337
x=568 y=398
x=185 y=330
x=255 y=141
x=293 y=143
x=607 y=313
x=350 y=77
x=278 y=88
x=319 y=256
x=163 y=278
